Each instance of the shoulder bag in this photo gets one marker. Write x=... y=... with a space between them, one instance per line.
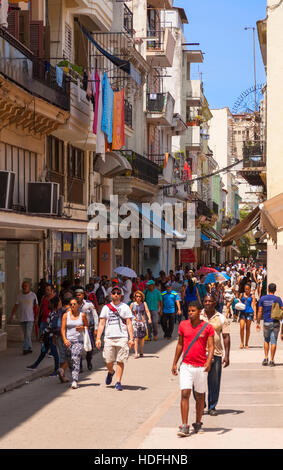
x=276 y=312
x=193 y=342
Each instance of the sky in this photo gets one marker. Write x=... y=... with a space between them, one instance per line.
x=218 y=25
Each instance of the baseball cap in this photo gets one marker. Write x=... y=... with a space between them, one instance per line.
x=116 y=288
x=150 y=283
x=79 y=291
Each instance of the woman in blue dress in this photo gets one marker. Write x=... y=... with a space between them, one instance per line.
x=247 y=315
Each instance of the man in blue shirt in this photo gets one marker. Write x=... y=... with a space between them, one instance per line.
x=270 y=327
x=170 y=299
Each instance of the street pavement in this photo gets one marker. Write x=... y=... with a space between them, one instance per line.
x=45 y=414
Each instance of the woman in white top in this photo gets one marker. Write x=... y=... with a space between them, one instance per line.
x=73 y=325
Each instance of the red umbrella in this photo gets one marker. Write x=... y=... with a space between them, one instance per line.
x=205 y=270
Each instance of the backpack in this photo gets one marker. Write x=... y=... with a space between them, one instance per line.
x=276 y=312
x=100 y=296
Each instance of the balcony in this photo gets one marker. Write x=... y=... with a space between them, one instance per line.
x=128 y=21
x=160 y=108
x=202 y=209
x=165 y=168
x=142 y=168
x=160 y=48
x=193 y=139
x=194 y=97
x=19 y=65
x=100 y=11
x=254 y=163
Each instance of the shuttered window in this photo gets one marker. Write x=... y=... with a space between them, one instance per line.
x=68 y=42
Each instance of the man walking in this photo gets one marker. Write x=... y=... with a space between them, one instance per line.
x=270 y=327
x=170 y=299
x=195 y=336
x=153 y=299
x=27 y=305
x=221 y=328
x=88 y=309
x=116 y=319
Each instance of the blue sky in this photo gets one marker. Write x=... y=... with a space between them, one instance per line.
x=218 y=25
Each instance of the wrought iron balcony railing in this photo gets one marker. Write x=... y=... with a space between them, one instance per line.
x=128 y=20
x=254 y=154
x=35 y=75
x=142 y=167
x=155 y=102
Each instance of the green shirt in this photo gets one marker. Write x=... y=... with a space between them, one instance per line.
x=152 y=299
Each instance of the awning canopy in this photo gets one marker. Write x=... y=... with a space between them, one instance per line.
x=247 y=224
x=272 y=216
x=14 y=220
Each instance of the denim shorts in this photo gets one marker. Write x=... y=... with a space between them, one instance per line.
x=270 y=332
x=247 y=316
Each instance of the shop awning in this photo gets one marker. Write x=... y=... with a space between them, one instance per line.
x=247 y=224
x=272 y=216
x=12 y=220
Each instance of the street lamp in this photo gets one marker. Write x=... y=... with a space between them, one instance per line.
x=253 y=28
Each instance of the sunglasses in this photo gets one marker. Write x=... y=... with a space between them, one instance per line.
x=116 y=293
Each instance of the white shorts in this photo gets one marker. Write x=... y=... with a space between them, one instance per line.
x=193 y=376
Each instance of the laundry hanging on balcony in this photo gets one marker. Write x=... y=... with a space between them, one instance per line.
x=100 y=139
x=124 y=65
x=107 y=111
x=118 y=120
x=187 y=174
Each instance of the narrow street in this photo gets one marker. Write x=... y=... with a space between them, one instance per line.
x=146 y=414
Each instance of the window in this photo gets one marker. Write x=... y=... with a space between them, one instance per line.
x=75 y=187
x=55 y=162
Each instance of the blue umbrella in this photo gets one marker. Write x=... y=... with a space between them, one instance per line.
x=214 y=277
x=227 y=277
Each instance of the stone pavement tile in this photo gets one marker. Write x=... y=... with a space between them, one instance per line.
x=215 y=438
x=13 y=365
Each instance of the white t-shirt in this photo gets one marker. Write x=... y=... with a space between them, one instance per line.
x=115 y=327
x=26 y=302
x=181 y=272
x=127 y=288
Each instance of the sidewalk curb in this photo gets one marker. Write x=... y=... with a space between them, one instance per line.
x=29 y=377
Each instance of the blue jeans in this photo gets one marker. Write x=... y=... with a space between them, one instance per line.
x=44 y=350
x=27 y=330
x=213 y=382
x=220 y=307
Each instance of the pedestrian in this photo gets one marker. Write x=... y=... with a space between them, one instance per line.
x=116 y=319
x=49 y=335
x=247 y=316
x=201 y=289
x=73 y=324
x=170 y=300
x=140 y=313
x=221 y=328
x=127 y=289
x=60 y=343
x=271 y=326
x=66 y=289
x=153 y=299
x=44 y=310
x=195 y=337
x=190 y=293
x=90 y=312
x=27 y=306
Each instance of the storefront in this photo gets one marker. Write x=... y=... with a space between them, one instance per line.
x=67 y=257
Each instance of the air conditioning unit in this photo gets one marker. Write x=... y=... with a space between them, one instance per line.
x=43 y=198
x=7 y=182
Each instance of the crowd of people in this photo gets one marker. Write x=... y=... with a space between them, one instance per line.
x=122 y=313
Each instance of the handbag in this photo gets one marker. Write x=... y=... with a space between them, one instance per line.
x=240 y=306
x=193 y=342
x=276 y=312
x=87 y=343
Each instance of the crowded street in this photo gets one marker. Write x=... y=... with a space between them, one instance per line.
x=146 y=413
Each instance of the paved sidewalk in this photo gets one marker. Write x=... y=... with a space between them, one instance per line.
x=13 y=363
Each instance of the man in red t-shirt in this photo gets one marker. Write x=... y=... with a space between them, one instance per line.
x=195 y=364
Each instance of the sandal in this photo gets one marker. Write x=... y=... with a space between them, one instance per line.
x=136 y=356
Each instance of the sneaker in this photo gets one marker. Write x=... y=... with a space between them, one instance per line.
x=212 y=412
x=109 y=378
x=119 y=387
x=74 y=384
x=198 y=427
x=54 y=374
x=184 y=431
x=32 y=367
x=272 y=364
x=265 y=362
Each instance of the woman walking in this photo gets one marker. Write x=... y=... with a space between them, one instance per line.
x=73 y=324
x=248 y=315
x=140 y=310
